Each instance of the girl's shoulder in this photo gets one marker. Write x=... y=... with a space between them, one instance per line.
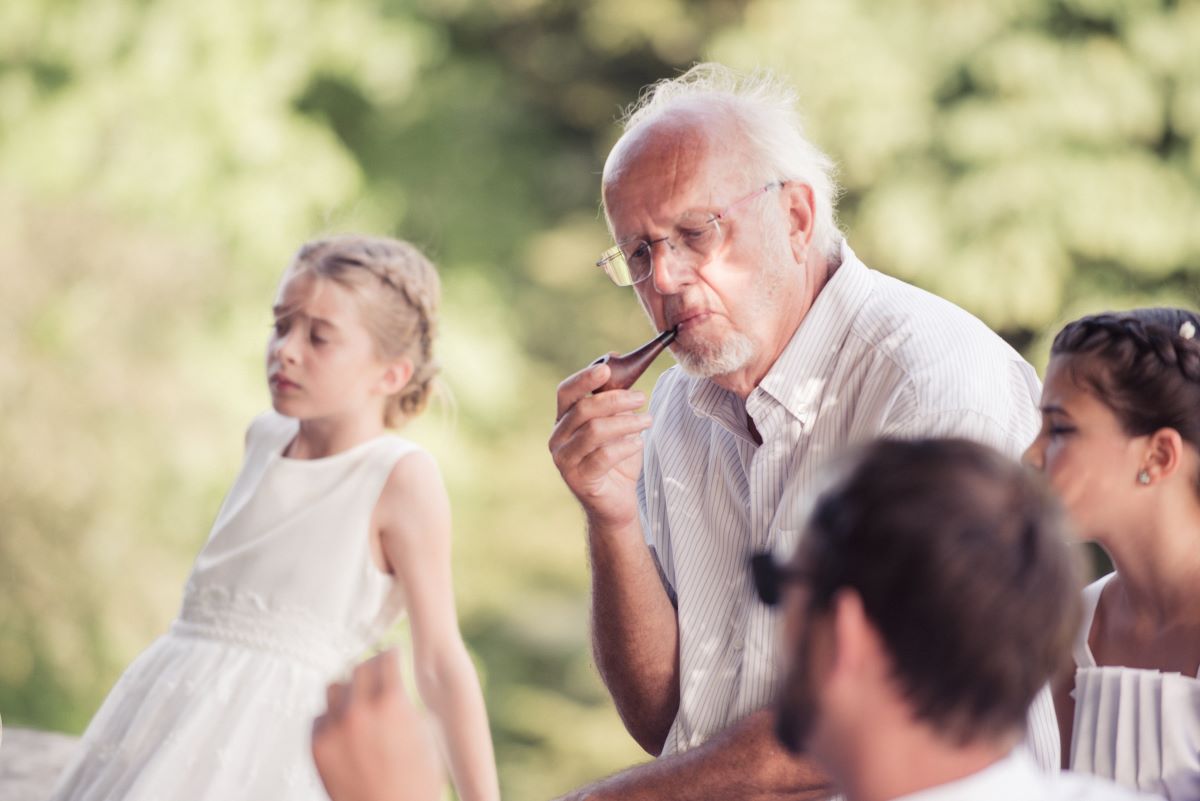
x=413 y=488
x=393 y=447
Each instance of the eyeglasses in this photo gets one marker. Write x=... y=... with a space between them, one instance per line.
x=770 y=576
x=699 y=233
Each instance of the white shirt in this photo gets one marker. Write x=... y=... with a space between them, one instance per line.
x=873 y=356
x=1017 y=778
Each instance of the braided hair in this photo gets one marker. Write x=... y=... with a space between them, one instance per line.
x=398 y=292
x=1143 y=364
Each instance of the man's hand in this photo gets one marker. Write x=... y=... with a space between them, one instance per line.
x=597 y=446
x=371 y=745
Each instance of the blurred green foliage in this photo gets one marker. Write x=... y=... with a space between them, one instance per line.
x=161 y=159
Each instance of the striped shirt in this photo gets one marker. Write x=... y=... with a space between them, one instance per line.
x=873 y=356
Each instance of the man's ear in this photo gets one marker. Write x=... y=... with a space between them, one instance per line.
x=395 y=376
x=800 y=204
x=854 y=638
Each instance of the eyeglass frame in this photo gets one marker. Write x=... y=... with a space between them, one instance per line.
x=771 y=576
x=617 y=250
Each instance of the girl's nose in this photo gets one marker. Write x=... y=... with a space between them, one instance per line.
x=286 y=347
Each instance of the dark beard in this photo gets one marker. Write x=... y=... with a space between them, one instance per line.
x=796 y=709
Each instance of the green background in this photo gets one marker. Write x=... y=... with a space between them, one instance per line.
x=161 y=160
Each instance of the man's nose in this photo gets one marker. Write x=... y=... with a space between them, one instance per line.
x=670 y=268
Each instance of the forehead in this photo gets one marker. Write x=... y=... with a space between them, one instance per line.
x=668 y=166
x=1066 y=386
x=302 y=292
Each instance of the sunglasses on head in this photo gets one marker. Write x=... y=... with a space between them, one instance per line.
x=770 y=577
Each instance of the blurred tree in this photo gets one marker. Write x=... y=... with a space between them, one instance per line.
x=160 y=160
x=1034 y=156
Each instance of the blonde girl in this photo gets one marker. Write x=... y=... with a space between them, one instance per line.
x=332 y=529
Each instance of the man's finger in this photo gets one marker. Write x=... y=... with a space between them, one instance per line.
x=618 y=402
x=337 y=695
x=389 y=669
x=580 y=385
x=375 y=675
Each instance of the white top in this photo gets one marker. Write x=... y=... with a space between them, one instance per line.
x=1017 y=778
x=874 y=356
x=1138 y=727
x=282 y=597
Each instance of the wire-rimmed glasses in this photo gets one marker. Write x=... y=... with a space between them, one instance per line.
x=695 y=237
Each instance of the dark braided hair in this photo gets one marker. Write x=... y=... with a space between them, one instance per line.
x=1141 y=365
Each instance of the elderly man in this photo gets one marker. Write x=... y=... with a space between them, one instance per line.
x=789 y=349
x=932 y=595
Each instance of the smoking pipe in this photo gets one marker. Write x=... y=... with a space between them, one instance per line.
x=628 y=367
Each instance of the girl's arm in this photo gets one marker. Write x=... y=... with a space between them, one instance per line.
x=413 y=518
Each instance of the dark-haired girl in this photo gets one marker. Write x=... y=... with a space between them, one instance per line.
x=1120 y=444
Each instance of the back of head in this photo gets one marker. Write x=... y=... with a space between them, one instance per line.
x=963 y=568
x=398 y=292
x=1143 y=364
x=764 y=110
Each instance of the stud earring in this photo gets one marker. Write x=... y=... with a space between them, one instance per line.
x=1143 y=476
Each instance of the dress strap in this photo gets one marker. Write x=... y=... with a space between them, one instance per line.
x=1091 y=599
x=269 y=433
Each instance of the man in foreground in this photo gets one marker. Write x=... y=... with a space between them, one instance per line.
x=931 y=597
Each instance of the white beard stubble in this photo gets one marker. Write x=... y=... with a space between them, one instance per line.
x=736 y=349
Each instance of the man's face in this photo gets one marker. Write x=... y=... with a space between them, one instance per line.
x=796 y=708
x=734 y=310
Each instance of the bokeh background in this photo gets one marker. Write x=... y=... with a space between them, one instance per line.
x=160 y=160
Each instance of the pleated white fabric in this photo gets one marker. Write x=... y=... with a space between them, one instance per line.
x=282 y=598
x=1140 y=728
x=873 y=357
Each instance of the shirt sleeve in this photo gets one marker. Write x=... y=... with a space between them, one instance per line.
x=1007 y=420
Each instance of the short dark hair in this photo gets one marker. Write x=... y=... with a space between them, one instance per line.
x=1143 y=364
x=961 y=560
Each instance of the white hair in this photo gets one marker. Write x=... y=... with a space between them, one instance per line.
x=764 y=109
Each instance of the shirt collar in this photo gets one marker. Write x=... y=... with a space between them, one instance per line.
x=1015 y=776
x=798 y=377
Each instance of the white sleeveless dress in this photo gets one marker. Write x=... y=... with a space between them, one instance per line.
x=1140 y=728
x=283 y=597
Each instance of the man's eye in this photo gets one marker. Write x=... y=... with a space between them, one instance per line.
x=694 y=236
